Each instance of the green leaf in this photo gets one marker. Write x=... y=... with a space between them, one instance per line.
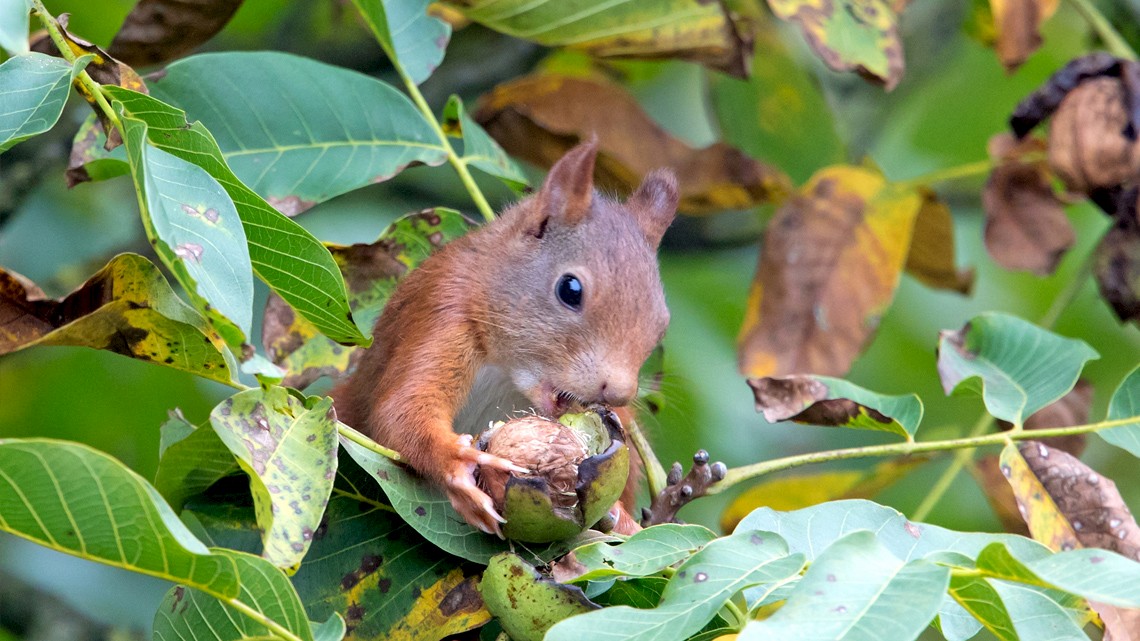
x=33 y=90
x=641 y=593
x=14 y=26
x=289 y=259
x=827 y=401
x=195 y=230
x=479 y=149
x=186 y=614
x=696 y=592
x=813 y=529
x=290 y=455
x=854 y=35
x=1125 y=403
x=857 y=589
x=646 y=552
x=706 y=33
x=297 y=131
x=1014 y=612
x=1020 y=367
x=414 y=41
x=425 y=507
x=127 y=308
x=779 y=115
x=526 y=603
x=192 y=459
x=79 y=501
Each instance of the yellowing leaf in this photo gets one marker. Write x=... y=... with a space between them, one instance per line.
x=449 y=606
x=804 y=490
x=1016 y=24
x=859 y=35
x=829 y=266
x=931 y=257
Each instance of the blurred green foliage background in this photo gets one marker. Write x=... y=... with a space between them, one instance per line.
x=795 y=114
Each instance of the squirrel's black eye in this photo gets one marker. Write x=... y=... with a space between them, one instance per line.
x=569 y=291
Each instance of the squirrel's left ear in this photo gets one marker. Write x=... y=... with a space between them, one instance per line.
x=654 y=204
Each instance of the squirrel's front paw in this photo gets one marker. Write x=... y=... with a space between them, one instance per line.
x=468 y=500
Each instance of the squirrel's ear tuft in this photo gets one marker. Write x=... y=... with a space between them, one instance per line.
x=654 y=204
x=569 y=188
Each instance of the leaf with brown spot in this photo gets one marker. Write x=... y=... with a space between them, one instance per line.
x=829 y=265
x=540 y=117
x=834 y=402
x=931 y=258
x=371 y=272
x=709 y=33
x=1068 y=505
x=798 y=491
x=157 y=31
x=850 y=35
x=1072 y=409
x=1026 y=226
x=127 y=308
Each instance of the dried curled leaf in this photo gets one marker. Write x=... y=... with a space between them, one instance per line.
x=931 y=256
x=829 y=266
x=833 y=402
x=157 y=31
x=539 y=118
x=1017 y=26
x=1026 y=226
x=1117 y=266
x=1088 y=148
x=859 y=35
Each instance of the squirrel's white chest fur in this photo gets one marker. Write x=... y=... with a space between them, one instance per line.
x=493 y=397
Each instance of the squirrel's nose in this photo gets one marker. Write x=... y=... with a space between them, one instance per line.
x=618 y=389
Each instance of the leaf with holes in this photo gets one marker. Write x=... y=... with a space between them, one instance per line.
x=1017 y=367
x=186 y=614
x=414 y=41
x=709 y=33
x=33 y=90
x=696 y=592
x=127 y=308
x=290 y=454
x=293 y=129
x=826 y=401
x=858 y=589
x=289 y=259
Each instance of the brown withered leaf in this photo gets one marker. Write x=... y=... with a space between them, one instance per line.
x=833 y=402
x=156 y=31
x=931 y=255
x=1117 y=266
x=1072 y=409
x=538 y=118
x=103 y=69
x=1067 y=505
x=1088 y=145
x=1017 y=27
x=1026 y=226
x=829 y=266
x=370 y=270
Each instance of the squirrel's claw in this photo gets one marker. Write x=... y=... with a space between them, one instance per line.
x=473 y=455
x=473 y=504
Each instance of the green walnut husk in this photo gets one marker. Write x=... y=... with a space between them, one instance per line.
x=579 y=466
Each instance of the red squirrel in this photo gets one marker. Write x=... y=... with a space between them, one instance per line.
x=552 y=306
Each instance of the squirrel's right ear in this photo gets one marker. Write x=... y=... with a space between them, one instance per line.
x=654 y=204
x=568 y=191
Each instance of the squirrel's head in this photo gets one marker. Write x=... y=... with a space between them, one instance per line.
x=587 y=307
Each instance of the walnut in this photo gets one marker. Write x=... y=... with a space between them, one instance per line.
x=1087 y=146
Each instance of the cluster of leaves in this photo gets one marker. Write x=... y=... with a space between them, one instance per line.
x=358 y=542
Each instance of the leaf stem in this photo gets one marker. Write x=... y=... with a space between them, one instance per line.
x=456 y=161
x=654 y=473
x=948 y=174
x=961 y=458
x=275 y=627
x=1103 y=28
x=365 y=442
x=90 y=88
x=748 y=472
